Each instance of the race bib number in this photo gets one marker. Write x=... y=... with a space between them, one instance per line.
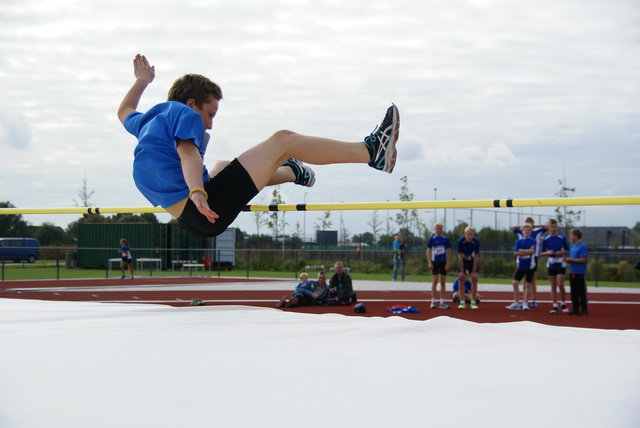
x=438 y=251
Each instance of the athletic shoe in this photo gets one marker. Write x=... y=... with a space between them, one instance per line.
x=443 y=305
x=304 y=175
x=461 y=305
x=123 y=277
x=515 y=306
x=554 y=310
x=381 y=143
x=456 y=300
x=534 y=304
x=565 y=309
x=474 y=305
x=433 y=305
x=525 y=307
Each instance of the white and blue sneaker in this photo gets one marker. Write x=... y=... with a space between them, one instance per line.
x=304 y=175
x=381 y=143
x=515 y=306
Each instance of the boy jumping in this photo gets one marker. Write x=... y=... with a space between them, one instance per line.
x=168 y=164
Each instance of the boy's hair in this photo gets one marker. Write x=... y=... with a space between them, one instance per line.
x=195 y=86
x=304 y=274
x=553 y=221
x=530 y=226
x=469 y=229
x=438 y=224
x=125 y=241
x=529 y=220
x=577 y=233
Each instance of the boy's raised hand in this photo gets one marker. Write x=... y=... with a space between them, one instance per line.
x=142 y=70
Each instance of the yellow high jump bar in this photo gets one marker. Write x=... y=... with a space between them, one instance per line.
x=355 y=206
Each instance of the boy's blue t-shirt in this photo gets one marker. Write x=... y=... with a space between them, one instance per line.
x=469 y=249
x=555 y=243
x=525 y=262
x=467 y=286
x=439 y=245
x=536 y=234
x=575 y=252
x=157 y=170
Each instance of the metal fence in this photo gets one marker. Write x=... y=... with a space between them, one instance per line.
x=66 y=262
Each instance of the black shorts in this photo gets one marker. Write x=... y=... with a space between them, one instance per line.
x=229 y=192
x=557 y=271
x=467 y=266
x=438 y=268
x=522 y=273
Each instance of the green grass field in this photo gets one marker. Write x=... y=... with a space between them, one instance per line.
x=42 y=270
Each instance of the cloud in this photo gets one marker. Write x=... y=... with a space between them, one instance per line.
x=15 y=132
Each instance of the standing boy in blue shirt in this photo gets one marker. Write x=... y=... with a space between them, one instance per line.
x=468 y=258
x=536 y=233
x=438 y=256
x=577 y=273
x=556 y=247
x=524 y=249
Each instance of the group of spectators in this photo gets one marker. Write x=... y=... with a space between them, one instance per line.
x=339 y=291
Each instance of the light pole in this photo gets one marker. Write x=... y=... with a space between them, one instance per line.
x=304 y=222
x=435 y=198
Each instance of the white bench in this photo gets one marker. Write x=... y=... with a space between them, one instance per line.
x=192 y=265
x=154 y=264
x=110 y=262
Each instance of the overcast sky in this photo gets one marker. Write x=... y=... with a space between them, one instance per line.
x=497 y=98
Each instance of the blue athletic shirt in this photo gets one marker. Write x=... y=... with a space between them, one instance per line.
x=469 y=249
x=157 y=171
x=439 y=245
x=575 y=252
x=525 y=262
x=535 y=234
x=555 y=243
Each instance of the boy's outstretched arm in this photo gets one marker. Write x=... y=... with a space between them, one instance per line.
x=145 y=74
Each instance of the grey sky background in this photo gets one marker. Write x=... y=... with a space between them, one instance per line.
x=497 y=98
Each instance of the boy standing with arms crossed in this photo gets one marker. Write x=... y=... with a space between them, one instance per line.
x=468 y=258
x=555 y=247
x=438 y=256
x=524 y=249
x=577 y=273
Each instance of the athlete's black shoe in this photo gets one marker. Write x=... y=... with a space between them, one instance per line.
x=381 y=143
x=304 y=175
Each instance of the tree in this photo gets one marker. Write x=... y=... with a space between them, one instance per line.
x=409 y=220
x=84 y=194
x=276 y=218
x=259 y=216
x=365 y=238
x=324 y=222
x=12 y=225
x=567 y=216
x=49 y=234
x=376 y=225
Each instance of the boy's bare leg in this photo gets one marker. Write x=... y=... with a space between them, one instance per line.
x=554 y=292
x=516 y=291
x=263 y=160
x=560 y=280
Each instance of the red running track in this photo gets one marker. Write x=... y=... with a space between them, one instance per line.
x=607 y=310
